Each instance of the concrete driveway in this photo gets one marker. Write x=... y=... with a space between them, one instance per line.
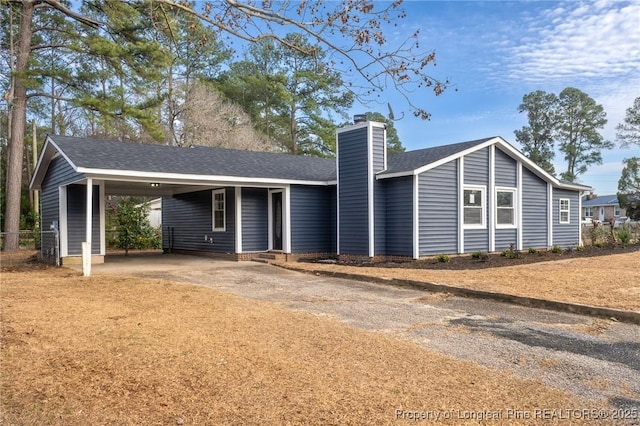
x=593 y=358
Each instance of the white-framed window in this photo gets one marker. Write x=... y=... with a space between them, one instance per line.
x=219 y=210
x=505 y=207
x=588 y=212
x=564 y=205
x=474 y=207
x=616 y=211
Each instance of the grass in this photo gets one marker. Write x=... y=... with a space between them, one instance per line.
x=118 y=350
x=610 y=281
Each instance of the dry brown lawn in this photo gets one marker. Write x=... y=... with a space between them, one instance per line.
x=612 y=281
x=119 y=350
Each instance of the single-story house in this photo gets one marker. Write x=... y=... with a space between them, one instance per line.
x=603 y=207
x=481 y=195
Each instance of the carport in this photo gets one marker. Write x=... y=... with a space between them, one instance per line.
x=236 y=188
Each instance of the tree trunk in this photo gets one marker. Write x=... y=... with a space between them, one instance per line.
x=15 y=153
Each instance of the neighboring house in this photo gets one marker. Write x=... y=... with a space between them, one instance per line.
x=602 y=208
x=154 y=216
x=482 y=195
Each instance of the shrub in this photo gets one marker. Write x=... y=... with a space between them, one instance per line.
x=511 y=252
x=556 y=249
x=134 y=229
x=479 y=255
x=442 y=258
x=533 y=250
x=624 y=235
x=580 y=248
x=600 y=235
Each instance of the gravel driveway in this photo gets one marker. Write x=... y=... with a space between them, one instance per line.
x=593 y=358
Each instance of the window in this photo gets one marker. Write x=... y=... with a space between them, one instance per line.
x=588 y=212
x=616 y=210
x=505 y=207
x=564 y=210
x=474 y=206
x=218 y=210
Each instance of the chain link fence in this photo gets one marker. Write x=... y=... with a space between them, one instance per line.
x=46 y=243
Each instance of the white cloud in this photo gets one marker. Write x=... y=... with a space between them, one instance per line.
x=578 y=42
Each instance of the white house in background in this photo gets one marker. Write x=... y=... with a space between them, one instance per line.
x=155 y=212
x=602 y=208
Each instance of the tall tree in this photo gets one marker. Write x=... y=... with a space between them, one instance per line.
x=25 y=10
x=579 y=119
x=394 y=145
x=629 y=187
x=628 y=133
x=536 y=139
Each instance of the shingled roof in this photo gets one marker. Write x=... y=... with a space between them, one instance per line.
x=100 y=154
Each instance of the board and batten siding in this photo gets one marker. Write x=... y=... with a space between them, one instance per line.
x=353 y=175
x=506 y=173
x=438 y=210
x=59 y=173
x=399 y=216
x=77 y=219
x=379 y=214
x=476 y=172
x=566 y=235
x=534 y=211
x=313 y=219
x=255 y=219
x=187 y=218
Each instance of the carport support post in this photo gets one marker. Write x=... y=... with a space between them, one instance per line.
x=86 y=246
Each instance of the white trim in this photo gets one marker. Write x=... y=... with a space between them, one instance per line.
x=384 y=151
x=483 y=207
x=492 y=213
x=238 y=218
x=580 y=218
x=416 y=217
x=337 y=195
x=512 y=152
x=567 y=210
x=286 y=218
x=215 y=192
x=62 y=221
x=460 y=205
x=109 y=174
x=88 y=213
x=103 y=222
x=515 y=192
x=286 y=202
x=519 y=232
x=370 y=200
x=269 y=221
x=549 y=215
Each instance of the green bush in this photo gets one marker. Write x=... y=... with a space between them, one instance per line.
x=600 y=235
x=533 y=250
x=580 y=248
x=442 y=258
x=134 y=229
x=479 y=255
x=511 y=252
x=556 y=249
x=624 y=235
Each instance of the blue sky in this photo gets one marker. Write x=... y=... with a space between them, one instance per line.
x=494 y=52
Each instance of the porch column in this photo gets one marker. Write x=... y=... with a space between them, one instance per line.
x=86 y=246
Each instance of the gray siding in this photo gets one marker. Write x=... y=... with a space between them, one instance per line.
x=566 y=235
x=506 y=237
x=438 y=210
x=58 y=174
x=379 y=215
x=534 y=211
x=505 y=170
x=353 y=196
x=255 y=219
x=399 y=216
x=313 y=219
x=187 y=218
x=476 y=172
x=77 y=219
x=476 y=167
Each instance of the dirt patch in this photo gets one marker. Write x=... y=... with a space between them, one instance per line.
x=590 y=278
x=121 y=350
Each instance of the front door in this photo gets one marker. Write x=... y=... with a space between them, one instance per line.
x=276 y=223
